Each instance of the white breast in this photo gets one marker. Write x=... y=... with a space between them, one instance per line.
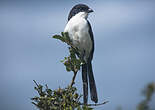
x=78 y=30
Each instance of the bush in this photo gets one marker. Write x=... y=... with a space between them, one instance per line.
x=67 y=98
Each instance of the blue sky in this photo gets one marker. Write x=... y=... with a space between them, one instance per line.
x=124 y=58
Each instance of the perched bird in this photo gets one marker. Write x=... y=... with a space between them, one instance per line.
x=81 y=35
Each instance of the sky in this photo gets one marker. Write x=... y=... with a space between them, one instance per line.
x=124 y=57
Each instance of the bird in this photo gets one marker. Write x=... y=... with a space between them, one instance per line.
x=80 y=33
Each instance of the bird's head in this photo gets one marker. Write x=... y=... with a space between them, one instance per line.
x=81 y=9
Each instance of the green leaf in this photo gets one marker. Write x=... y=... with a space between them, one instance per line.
x=62 y=33
x=66 y=35
x=59 y=38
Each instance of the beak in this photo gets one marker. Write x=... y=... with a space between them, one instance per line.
x=90 y=10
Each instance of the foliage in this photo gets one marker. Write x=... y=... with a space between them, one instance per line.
x=148 y=93
x=60 y=99
x=67 y=98
x=72 y=62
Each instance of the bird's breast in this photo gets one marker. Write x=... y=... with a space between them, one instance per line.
x=78 y=30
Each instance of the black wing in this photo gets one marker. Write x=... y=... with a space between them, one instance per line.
x=92 y=38
x=93 y=90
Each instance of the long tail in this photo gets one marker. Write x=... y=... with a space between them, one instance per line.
x=85 y=83
x=93 y=91
x=87 y=69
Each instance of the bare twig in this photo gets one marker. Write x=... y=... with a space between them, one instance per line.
x=35 y=83
x=73 y=79
x=96 y=104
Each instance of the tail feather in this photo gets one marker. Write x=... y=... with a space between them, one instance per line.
x=85 y=83
x=93 y=91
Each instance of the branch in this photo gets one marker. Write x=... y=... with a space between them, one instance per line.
x=95 y=104
x=36 y=83
x=73 y=79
